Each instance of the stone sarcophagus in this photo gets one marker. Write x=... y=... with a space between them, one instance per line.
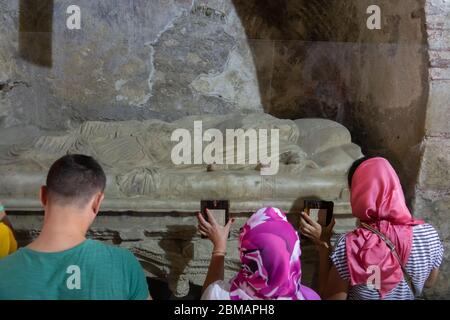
x=151 y=199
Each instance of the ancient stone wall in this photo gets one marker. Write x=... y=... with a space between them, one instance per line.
x=168 y=59
x=432 y=200
x=131 y=60
x=291 y=58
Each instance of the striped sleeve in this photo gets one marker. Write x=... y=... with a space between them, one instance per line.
x=435 y=245
x=427 y=250
x=339 y=258
x=439 y=256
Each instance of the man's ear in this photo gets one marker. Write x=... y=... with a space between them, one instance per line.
x=98 y=199
x=43 y=196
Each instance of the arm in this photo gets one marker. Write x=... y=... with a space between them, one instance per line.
x=215 y=271
x=431 y=278
x=437 y=259
x=331 y=285
x=218 y=236
x=4 y=218
x=324 y=267
x=336 y=288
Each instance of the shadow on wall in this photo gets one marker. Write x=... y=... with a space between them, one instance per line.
x=179 y=253
x=159 y=290
x=299 y=69
x=35 y=31
x=316 y=59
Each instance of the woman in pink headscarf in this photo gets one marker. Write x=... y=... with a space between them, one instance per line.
x=269 y=250
x=390 y=255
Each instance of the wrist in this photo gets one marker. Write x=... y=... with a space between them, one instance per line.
x=323 y=245
x=219 y=254
x=220 y=247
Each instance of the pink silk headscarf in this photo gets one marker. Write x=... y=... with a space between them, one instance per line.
x=377 y=199
x=270 y=255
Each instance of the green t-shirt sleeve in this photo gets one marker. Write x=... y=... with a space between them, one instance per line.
x=138 y=282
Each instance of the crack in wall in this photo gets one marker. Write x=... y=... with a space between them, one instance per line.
x=7 y=86
x=151 y=45
x=210 y=13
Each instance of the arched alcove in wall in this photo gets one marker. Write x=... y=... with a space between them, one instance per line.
x=318 y=59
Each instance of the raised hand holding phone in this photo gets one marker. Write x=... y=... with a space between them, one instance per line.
x=320 y=235
x=215 y=232
x=219 y=209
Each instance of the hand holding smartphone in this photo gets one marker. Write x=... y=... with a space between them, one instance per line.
x=220 y=209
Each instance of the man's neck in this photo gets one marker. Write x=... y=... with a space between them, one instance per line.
x=62 y=230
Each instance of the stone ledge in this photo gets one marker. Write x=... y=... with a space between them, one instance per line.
x=434 y=207
x=439 y=59
x=440 y=74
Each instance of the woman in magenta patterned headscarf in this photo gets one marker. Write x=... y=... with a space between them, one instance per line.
x=270 y=255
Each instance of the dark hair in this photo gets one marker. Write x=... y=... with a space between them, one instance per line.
x=75 y=178
x=353 y=168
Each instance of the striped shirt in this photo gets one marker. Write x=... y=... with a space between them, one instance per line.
x=426 y=254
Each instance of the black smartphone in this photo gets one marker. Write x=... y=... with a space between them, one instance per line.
x=220 y=209
x=319 y=210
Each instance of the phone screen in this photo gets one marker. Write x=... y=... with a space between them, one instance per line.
x=314 y=214
x=322 y=217
x=320 y=211
x=219 y=215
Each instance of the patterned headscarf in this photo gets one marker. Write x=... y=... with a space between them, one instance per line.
x=270 y=256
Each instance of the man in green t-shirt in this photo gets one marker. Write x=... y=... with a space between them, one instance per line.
x=61 y=263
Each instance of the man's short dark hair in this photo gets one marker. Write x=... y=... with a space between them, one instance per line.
x=75 y=178
x=353 y=168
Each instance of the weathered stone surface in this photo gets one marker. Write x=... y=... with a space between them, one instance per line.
x=135 y=59
x=326 y=63
x=142 y=174
x=435 y=169
x=438 y=122
x=433 y=207
x=168 y=59
x=432 y=199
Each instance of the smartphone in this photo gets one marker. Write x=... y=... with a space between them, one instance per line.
x=220 y=209
x=319 y=210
